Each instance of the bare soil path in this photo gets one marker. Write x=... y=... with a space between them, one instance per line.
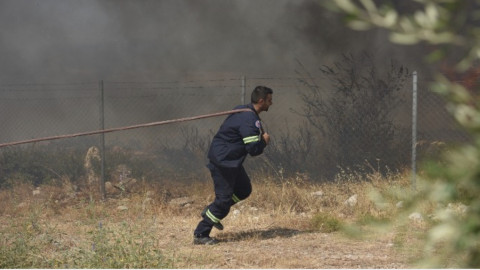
x=281 y=247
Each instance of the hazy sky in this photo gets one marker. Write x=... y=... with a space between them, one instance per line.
x=65 y=40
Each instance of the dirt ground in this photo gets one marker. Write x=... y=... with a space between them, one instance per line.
x=254 y=236
x=258 y=244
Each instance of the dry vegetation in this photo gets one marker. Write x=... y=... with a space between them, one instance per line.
x=282 y=225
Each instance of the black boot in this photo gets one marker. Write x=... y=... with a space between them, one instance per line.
x=204 y=240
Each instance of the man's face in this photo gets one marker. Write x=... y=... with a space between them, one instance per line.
x=267 y=103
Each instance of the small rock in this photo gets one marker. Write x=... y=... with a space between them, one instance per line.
x=352 y=201
x=122 y=208
x=399 y=204
x=21 y=205
x=147 y=202
x=457 y=208
x=110 y=189
x=317 y=193
x=149 y=194
x=36 y=191
x=181 y=201
x=462 y=208
x=236 y=212
x=416 y=217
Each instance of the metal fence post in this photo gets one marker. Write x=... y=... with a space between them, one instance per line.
x=414 y=131
x=102 y=141
x=244 y=86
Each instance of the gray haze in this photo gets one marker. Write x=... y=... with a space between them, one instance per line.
x=168 y=59
x=65 y=41
x=89 y=40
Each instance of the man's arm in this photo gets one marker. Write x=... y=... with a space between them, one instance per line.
x=266 y=137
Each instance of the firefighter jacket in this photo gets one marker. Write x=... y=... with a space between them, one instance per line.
x=239 y=135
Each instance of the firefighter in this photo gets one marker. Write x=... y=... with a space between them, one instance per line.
x=240 y=134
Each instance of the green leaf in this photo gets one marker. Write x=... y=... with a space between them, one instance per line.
x=359 y=25
x=347 y=6
x=390 y=18
x=404 y=38
x=369 y=5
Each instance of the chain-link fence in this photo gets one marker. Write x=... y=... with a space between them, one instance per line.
x=345 y=138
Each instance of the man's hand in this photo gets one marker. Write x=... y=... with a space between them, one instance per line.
x=266 y=137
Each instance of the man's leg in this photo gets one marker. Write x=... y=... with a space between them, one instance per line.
x=224 y=181
x=242 y=188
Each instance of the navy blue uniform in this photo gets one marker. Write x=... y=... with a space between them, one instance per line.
x=239 y=135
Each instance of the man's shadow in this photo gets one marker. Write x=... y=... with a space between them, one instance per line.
x=258 y=234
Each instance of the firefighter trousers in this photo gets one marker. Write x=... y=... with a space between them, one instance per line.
x=231 y=186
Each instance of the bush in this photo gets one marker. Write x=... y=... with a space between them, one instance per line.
x=354 y=117
x=40 y=164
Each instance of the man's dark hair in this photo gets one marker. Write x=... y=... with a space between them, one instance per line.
x=260 y=92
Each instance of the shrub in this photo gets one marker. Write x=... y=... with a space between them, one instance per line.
x=325 y=223
x=354 y=115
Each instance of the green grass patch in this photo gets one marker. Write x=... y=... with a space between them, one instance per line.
x=326 y=223
x=108 y=247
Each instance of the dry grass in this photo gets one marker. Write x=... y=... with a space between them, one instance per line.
x=282 y=225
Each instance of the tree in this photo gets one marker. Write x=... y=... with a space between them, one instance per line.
x=454 y=239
